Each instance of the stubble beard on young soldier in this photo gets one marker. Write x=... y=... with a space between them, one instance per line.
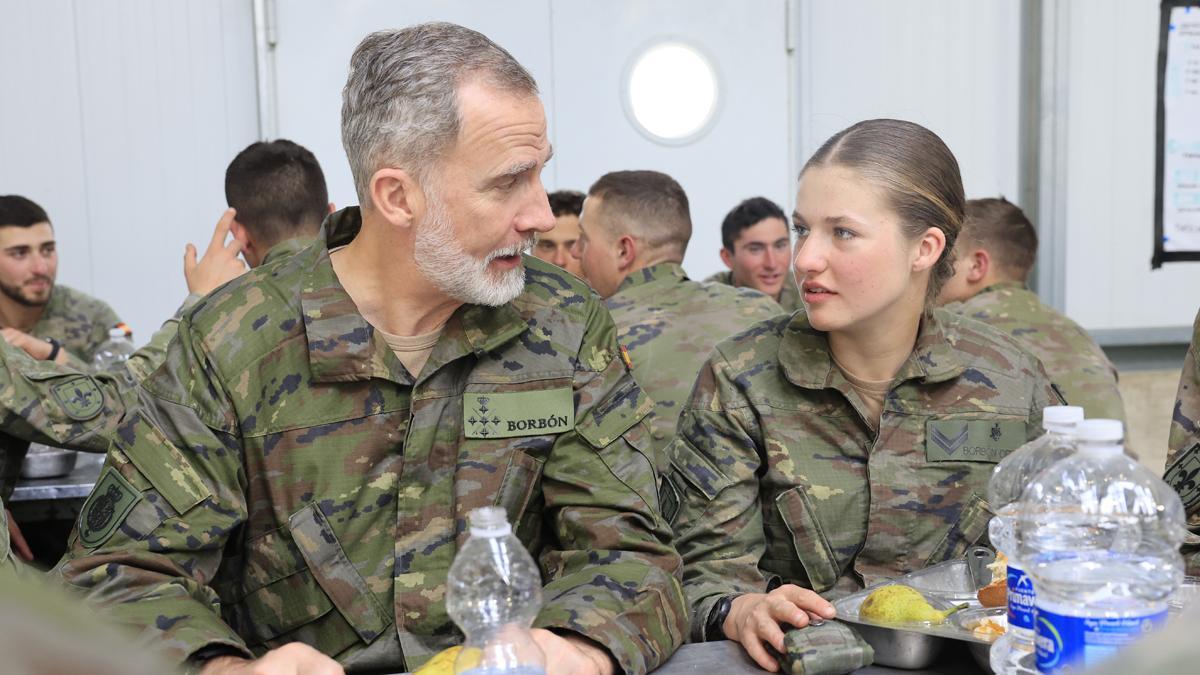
x=457 y=273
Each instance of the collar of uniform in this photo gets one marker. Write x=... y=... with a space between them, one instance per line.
x=343 y=346
x=286 y=247
x=805 y=359
x=725 y=277
x=664 y=271
x=1004 y=286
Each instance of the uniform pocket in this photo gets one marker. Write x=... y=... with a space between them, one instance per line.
x=520 y=491
x=292 y=581
x=808 y=539
x=966 y=532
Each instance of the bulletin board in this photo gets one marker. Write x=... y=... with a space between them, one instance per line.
x=1177 y=194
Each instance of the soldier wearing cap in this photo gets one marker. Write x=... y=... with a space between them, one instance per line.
x=295 y=482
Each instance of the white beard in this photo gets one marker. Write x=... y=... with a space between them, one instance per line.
x=458 y=274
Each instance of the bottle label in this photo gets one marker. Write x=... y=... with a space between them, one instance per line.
x=1076 y=642
x=1020 y=598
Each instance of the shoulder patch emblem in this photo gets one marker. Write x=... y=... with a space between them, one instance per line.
x=79 y=397
x=111 y=500
x=1184 y=476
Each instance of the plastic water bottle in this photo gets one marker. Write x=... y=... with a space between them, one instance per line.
x=494 y=593
x=1100 y=536
x=1013 y=652
x=114 y=353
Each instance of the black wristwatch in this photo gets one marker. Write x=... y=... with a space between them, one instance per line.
x=55 y=345
x=714 y=628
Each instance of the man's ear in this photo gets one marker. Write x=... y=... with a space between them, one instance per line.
x=627 y=252
x=332 y=208
x=726 y=257
x=981 y=265
x=396 y=196
x=238 y=231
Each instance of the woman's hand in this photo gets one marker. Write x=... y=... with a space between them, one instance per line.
x=755 y=618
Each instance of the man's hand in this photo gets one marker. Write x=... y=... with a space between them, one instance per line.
x=295 y=658
x=34 y=347
x=572 y=655
x=220 y=262
x=19 y=545
x=754 y=618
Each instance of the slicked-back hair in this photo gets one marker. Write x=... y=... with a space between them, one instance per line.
x=1001 y=227
x=400 y=102
x=18 y=211
x=279 y=191
x=566 y=202
x=917 y=173
x=648 y=205
x=747 y=214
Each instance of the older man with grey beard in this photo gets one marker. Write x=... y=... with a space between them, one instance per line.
x=291 y=491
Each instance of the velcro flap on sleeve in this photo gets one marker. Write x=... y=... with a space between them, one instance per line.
x=612 y=417
x=163 y=464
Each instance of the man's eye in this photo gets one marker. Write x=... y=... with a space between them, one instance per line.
x=843 y=233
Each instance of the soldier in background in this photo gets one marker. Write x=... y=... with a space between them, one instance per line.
x=555 y=246
x=635 y=231
x=50 y=321
x=277 y=197
x=853 y=441
x=758 y=252
x=294 y=484
x=1183 y=448
x=993 y=257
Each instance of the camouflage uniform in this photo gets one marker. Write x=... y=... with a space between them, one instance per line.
x=1076 y=364
x=1183 y=451
x=44 y=402
x=151 y=355
x=780 y=476
x=63 y=406
x=670 y=325
x=78 y=321
x=81 y=324
x=286 y=479
x=789 y=295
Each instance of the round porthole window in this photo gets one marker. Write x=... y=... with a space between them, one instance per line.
x=671 y=92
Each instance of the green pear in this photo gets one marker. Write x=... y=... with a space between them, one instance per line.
x=901 y=604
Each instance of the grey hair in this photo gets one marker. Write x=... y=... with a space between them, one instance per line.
x=400 y=102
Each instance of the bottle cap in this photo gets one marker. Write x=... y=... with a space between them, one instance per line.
x=489 y=522
x=1100 y=431
x=1061 y=418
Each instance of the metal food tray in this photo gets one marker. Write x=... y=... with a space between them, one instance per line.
x=917 y=645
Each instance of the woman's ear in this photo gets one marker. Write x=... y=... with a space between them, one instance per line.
x=928 y=249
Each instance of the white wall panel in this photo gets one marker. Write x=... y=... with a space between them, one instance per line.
x=1110 y=84
x=948 y=65
x=131 y=110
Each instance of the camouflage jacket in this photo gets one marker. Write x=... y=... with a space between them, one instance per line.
x=285 y=478
x=77 y=320
x=10 y=566
x=151 y=355
x=1183 y=449
x=61 y=405
x=789 y=296
x=1075 y=363
x=778 y=475
x=670 y=324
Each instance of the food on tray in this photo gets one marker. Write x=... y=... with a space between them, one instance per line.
x=988 y=627
x=442 y=663
x=900 y=604
x=995 y=594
